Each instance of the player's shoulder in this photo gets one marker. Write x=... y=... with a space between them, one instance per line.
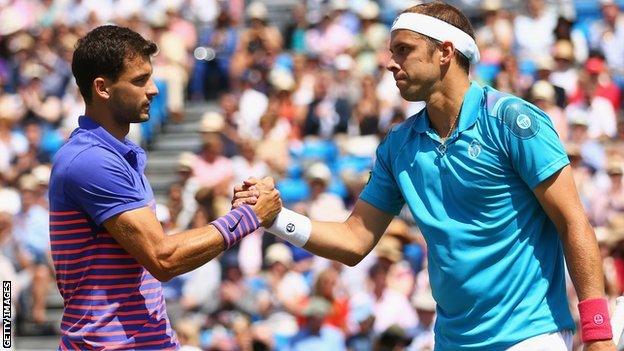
x=517 y=115
x=84 y=153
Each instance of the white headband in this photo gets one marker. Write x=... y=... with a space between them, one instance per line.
x=439 y=30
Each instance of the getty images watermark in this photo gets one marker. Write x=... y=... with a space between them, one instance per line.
x=6 y=314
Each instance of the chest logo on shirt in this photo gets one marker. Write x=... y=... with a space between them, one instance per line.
x=474 y=149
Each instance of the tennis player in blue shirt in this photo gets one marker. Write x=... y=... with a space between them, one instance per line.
x=488 y=182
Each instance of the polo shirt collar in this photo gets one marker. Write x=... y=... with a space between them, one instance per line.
x=84 y=122
x=470 y=107
x=467 y=116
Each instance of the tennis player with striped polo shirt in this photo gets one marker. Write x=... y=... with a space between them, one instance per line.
x=488 y=182
x=109 y=250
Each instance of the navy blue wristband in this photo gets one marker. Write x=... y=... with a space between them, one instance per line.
x=236 y=225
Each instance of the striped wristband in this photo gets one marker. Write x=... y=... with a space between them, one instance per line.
x=594 y=315
x=236 y=225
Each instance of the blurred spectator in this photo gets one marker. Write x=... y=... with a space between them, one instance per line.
x=326 y=114
x=425 y=305
x=251 y=106
x=188 y=335
x=211 y=168
x=542 y=94
x=218 y=44
x=361 y=314
x=601 y=117
x=258 y=44
x=544 y=67
x=495 y=37
x=323 y=205
x=327 y=286
x=295 y=30
x=370 y=39
x=316 y=335
x=564 y=74
x=32 y=234
x=393 y=338
x=610 y=203
x=607 y=34
x=564 y=30
x=534 y=30
x=599 y=77
x=328 y=38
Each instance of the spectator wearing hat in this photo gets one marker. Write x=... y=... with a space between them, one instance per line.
x=542 y=94
x=370 y=39
x=247 y=164
x=181 y=197
x=544 y=67
x=582 y=173
x=214 y=123
x=316 y=335
x=32 y=234
x=598 y=75
x=607 y=35
x=279 y=288
x=495 y=38
x=565 y=74
x=564 y=30
x=212 y=169
x=422 y=334
x=323 y=205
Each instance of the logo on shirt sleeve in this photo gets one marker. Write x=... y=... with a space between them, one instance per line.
x=522 y=121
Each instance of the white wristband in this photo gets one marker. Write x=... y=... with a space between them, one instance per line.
x=292 y=227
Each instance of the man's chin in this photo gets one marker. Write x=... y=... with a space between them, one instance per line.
x=143 y=117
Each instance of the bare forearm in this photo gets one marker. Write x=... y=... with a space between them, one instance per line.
x=339 y=242
x=185 y=251
x=583 y=260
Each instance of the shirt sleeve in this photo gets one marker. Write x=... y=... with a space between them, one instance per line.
x=101 y=184
x=534 y=147
x=382 y=191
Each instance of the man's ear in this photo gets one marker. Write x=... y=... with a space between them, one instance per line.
x=448 y=52
x=100 y=88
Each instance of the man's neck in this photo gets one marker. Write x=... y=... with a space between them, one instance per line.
x=444 y=105
x=106 y=120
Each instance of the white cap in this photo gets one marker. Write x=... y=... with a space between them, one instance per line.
x=257 y=10
x=211 y=121
x=318 y=171
x=343 y=62
x=278 y=252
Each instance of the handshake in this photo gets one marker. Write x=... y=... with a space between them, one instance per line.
x=262 y=196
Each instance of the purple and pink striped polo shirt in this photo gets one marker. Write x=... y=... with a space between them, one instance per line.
x=111 y=301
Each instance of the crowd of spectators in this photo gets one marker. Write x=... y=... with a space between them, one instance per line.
x=307 y=103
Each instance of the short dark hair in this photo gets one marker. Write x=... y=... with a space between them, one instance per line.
x=103 y=52
x=450 y=15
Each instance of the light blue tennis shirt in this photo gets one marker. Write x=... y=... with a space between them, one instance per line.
x=495 y=259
